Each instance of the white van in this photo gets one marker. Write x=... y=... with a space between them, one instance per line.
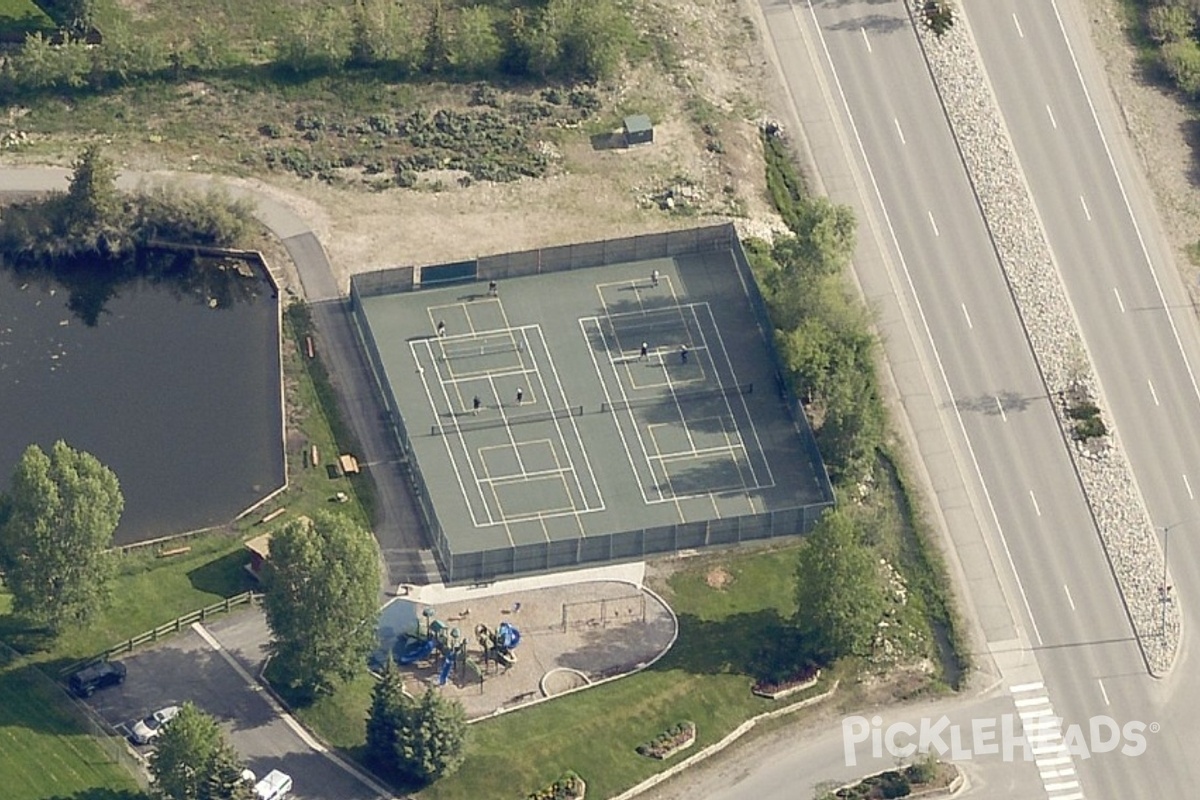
x=273 y=786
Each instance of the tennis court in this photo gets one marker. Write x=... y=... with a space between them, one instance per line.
x=591 y=414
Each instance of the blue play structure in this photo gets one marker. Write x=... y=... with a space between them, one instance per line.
x=424 y=640
x=498 y=645
x=447 y=667
x=411 y=650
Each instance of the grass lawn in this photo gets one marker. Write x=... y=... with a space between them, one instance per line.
x=18 y=17
x=43 y=751
x=705 y=678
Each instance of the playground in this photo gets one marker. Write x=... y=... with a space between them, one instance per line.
x=589 y=414
x=506 y=650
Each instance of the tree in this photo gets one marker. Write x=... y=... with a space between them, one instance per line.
x=386 y=700
x=192 y=761
x=437 y=40
x=431 y=735
x=381 y=33
x=317 y=40
x=56 y=526
x=96 y=217
x=320 y=593
x=839 y=592
x=475 y=46
x=1182 y=61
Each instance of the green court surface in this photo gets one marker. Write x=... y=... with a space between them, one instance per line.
x=593 y=414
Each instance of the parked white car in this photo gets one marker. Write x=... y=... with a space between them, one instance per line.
x=273 y=786
x=146 y=730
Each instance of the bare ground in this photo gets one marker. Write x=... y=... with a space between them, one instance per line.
x=1164 y=132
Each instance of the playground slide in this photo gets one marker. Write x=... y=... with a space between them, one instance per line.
x=415 y=650
x=508 y=636
x=447 y=665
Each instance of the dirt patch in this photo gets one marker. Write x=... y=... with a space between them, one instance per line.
x=1163 y=132
x=718 y=578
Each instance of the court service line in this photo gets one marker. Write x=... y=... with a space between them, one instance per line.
x=745 y=409
x=574 y=427
x=554 y=420
x=512 y=439
x=583 y=324
x=449 y=450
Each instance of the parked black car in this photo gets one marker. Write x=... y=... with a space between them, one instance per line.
x=97 y=676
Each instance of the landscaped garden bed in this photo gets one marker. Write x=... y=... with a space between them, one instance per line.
x=568 y=787
x=925 y=778
x=669 y=742
x=796 y=682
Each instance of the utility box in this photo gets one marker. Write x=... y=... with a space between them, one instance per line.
x=638 y=130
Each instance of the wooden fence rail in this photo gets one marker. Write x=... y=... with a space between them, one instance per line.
x=174 y=626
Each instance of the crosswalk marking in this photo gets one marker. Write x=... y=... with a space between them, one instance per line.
x=1043 y=732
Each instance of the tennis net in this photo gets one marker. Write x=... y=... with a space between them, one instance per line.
x=451 y=427
x=475 y=349
x=676 y=397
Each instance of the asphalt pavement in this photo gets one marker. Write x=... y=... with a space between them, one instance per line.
x=196 y=666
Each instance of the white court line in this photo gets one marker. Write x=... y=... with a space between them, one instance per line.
x=450 y=450
x=470 y=377
x=583 y=323
x=575 y=427
x=562 y=396
x=687 y=455
x=745 y=408
x=526 y=476
x=500 y=406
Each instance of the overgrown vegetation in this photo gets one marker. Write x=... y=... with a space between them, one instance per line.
x=93 y=218
x=559 y=39
x=829 y=350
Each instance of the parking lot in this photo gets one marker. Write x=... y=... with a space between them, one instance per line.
x=188 y=667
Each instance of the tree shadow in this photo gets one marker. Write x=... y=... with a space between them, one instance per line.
x=103 y=794
x=225 y=577
x=761 y=645
x=875 y=23
x=996 y=404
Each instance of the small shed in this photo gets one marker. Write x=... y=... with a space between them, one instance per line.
x=260 y=551
x=638 y=130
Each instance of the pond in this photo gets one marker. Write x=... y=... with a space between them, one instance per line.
x=171 y=380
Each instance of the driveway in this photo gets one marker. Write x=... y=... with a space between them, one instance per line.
x=188 y=667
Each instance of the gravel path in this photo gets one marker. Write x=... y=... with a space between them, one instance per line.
x=1104 y=472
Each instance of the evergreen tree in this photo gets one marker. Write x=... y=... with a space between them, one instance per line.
x=430 y=737
x=437 y=40
x=386 y=700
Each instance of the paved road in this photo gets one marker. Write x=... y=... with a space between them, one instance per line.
x=937 y=280
x=1137 y=321
x=188 y=667
x=396 y=525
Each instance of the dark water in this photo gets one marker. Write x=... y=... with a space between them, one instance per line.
x=180 y=400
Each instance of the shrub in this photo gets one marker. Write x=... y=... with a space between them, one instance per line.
x=1181 y=60
x=1170 y=22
